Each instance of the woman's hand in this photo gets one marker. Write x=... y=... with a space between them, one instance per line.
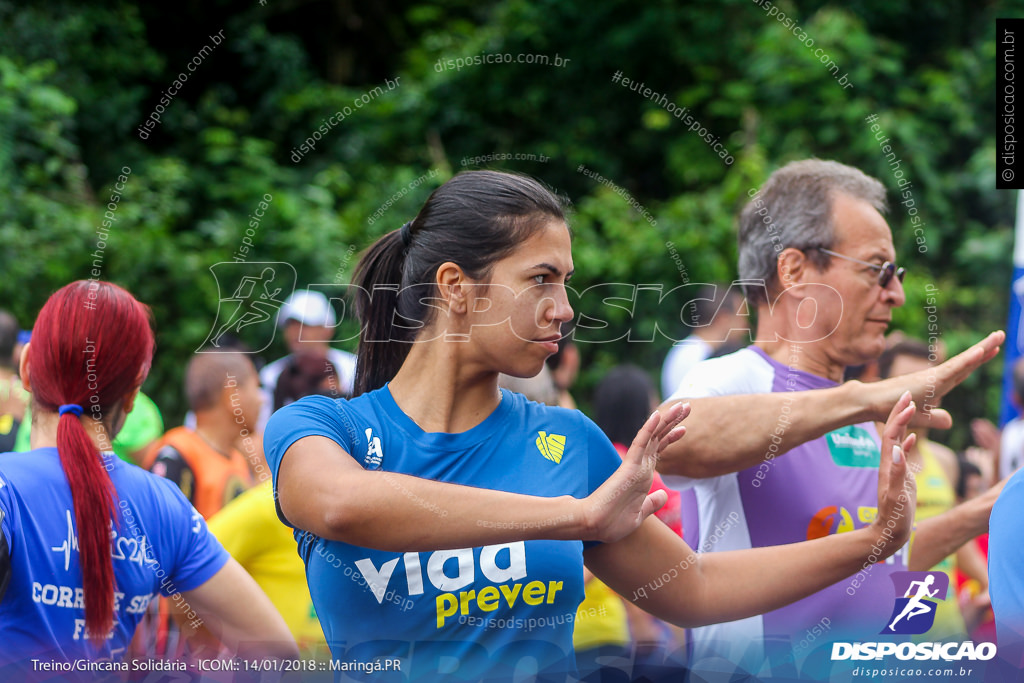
x=622 y=503
x=897 y=490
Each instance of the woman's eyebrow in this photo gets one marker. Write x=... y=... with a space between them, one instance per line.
x=554 y=269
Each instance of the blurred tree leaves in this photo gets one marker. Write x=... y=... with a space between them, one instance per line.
x=77 y=79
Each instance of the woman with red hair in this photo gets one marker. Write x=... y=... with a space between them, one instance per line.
x=87 y=540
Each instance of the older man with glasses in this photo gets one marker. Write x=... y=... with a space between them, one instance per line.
x=778 y=448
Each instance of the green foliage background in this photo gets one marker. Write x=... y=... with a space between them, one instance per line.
x=77 y=79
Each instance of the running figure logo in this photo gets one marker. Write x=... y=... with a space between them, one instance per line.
x=914 y=613
x=254 y=293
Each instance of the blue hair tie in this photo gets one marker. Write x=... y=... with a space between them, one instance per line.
x=70 y=408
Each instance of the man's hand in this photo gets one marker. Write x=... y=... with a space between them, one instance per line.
x=928 y=386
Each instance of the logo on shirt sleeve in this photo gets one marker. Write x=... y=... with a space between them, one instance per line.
x=374 y=451
x=551 y=446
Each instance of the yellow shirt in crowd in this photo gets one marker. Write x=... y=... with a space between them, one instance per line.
x=249 y=529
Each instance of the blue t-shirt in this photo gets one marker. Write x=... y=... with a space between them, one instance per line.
x=461 y=614
x=159 y=544
x=1006 y=568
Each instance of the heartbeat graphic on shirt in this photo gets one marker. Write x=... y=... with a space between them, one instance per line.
x=70 y=543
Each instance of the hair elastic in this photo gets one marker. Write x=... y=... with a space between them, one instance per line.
x=70 y=408
x=406 y=233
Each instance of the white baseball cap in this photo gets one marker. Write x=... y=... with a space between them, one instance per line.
x=309 y=308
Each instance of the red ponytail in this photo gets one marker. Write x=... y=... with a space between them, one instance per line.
x=91 y=346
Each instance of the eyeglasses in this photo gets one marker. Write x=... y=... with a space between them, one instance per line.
x=886 y=271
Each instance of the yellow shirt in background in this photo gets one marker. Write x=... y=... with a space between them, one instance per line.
x=601 y=618
x=935 y=495
x=249 y=529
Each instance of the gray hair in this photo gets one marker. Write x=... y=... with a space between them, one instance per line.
x=794 y=209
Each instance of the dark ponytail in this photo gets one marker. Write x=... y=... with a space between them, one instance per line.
x=380 y=354
x=91 y=346
x=473 y=220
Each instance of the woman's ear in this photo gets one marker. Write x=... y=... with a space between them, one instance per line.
x=129 y=400
x=452 y=287
x=23 y=369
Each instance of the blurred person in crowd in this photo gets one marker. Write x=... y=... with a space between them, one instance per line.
x=249 y=529
x=1000 y=453
x=88 y=541
x=601 y=634
x=970 y=483
x=473 y=488
x=622 y=400
x=540 y=388
x=210 y=464
x=305 y=375
x=24 y=337
x=984 y=454
x=788 y=452
x=716 y=319
x=142 y=427
x=253 y=450
x=731 y=346
x=606 y=624
x=231 y=342
x=13 y=398
x=307 y=320
x=975 y=601
x=1010 y=455
x=936 y=469
x=623 y=397
x=564 y=365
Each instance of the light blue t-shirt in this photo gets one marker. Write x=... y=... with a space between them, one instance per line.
x=465 y=614
x=159 y=544
x=1006 y=568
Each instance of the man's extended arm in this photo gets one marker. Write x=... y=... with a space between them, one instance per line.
x=731 y=433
